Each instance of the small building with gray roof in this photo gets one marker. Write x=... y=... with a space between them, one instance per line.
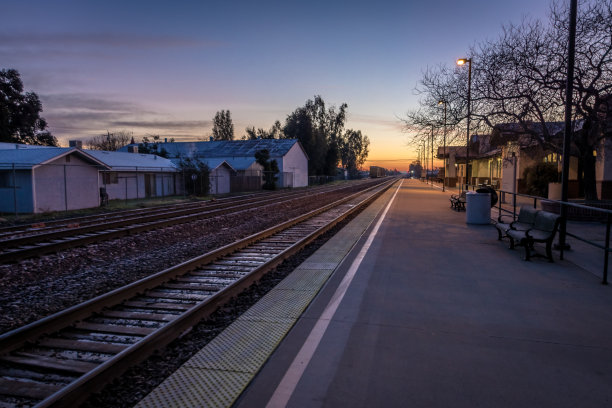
x=240 y=155
x=36 y=180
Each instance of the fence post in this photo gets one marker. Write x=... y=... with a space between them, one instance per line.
x=15 y=190
x=137 y=192
x=65 y=189
x=607 y=251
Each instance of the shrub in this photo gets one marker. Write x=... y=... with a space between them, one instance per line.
x=537 y=178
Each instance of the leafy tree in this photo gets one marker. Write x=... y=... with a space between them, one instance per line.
x=270 y=169
x=319 y=130
x=110 y=141
x=20 y=120
x=354 y=151
x=275 y=132
x=196 y=176
x=223 y=128
x=151 y=146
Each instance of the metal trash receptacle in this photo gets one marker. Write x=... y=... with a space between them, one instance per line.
x=477 y=208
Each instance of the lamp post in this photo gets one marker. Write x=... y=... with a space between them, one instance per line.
x=432 y=154
x=463 y=61
x=443 y=102
x=569 y=89
x=425 y=160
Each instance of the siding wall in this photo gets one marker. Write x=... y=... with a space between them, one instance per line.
x=65 y=185
x=131 y=185
x=220 y=180
x=295 y=162
x=17 y=191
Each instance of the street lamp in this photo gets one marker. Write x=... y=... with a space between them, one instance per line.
x=432 y=153
x=460 y=62
x=443 y=102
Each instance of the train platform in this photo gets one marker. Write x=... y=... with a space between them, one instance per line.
x=415 y=308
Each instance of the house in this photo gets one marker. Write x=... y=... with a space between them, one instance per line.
x=240 y=155
x=37 y=179
x=500 y=158
x=137 y=175
x=220 y=173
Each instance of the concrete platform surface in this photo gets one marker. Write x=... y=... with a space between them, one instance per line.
x=441 y=314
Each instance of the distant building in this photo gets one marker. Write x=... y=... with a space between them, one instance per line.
x=240 y=155
x=137 y=175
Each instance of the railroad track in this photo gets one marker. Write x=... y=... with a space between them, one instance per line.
x=61 y=359
x=78 y=233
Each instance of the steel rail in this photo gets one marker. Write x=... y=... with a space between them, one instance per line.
x=77 y=390
x=41 y=244
x=36 y=229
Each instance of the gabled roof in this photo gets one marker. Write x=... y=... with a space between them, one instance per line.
x=122 y=161
x=29 y=158
x=241 y=163
x=215 y=163
x=15 y=146
x=227 y=148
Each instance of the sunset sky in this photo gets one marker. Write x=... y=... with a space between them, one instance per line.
x=160 y=67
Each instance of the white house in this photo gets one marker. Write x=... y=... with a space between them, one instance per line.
x=240 y=155
x=35 y=180
x=137 y=175
x=219 y=176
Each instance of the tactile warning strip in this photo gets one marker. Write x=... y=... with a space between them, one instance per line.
x=217 y=374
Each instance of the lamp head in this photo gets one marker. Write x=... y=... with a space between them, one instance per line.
x=441 y=102
x=463 y=61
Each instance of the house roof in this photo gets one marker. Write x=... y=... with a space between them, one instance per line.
x=29 y=158
x=122 y=161
x=15 y=146
x=227 y=148
x=214 y=163
x=241 y=163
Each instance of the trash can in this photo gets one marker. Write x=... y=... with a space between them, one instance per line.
x=477 y=208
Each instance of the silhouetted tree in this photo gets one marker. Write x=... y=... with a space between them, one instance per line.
x=20 y=120
x=223 y=128
x=354 y=151
x=110 y=141
x=270 y=169
x=319 y=130
x=275 y=132
x=520 y=78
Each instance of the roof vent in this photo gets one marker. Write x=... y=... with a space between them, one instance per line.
x=132 y=149
x=76 y=143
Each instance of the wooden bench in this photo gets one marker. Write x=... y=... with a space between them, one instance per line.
x=523 y=222
x=457 y=201
x=544 y=229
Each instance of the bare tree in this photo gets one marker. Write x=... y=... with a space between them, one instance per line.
x=520 y=78
x=110 y=141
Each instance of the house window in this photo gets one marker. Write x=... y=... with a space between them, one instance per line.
x=110 y=177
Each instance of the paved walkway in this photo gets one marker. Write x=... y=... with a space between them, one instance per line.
x=439 y=314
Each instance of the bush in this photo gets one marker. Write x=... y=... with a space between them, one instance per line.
x=537 y=178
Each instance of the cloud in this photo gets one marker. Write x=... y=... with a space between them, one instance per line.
x=83 y=115
x=168 y=124
x=392 y=123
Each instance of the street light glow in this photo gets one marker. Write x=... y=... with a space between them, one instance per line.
x=462 y=61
